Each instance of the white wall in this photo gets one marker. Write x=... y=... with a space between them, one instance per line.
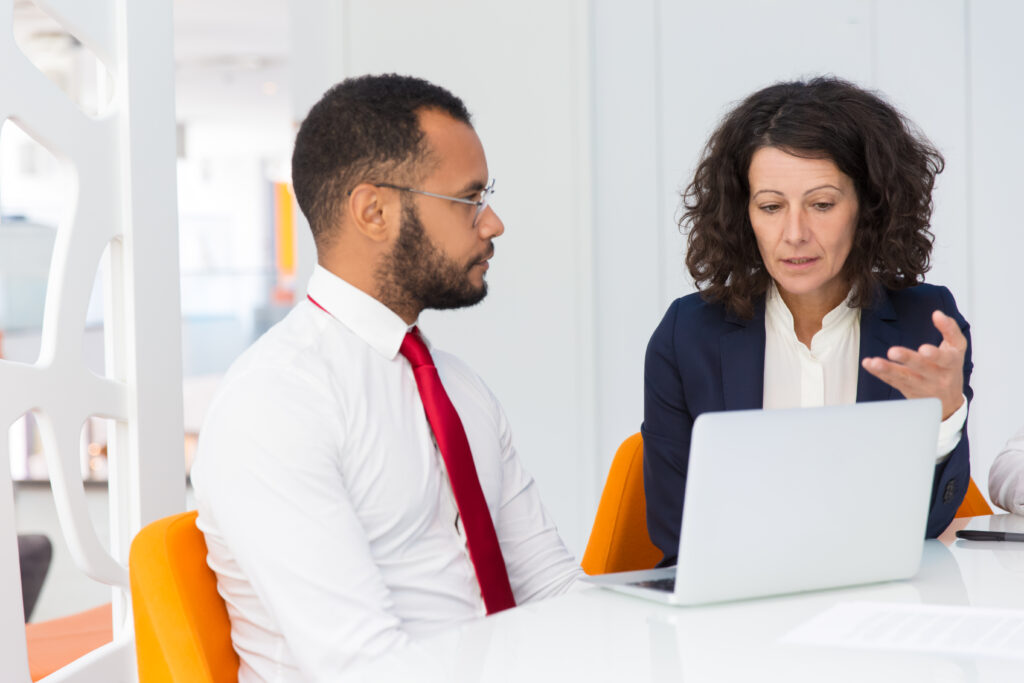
x=950 y=65
x=593 y=116
x=995 y=143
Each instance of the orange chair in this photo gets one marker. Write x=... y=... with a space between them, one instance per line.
x=56 y=643
x=619 y=540
x=182 y=631
x=974 y=503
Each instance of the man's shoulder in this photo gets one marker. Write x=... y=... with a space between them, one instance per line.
x=287 y=356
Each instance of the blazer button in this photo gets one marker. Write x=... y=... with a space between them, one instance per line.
x=947 y=495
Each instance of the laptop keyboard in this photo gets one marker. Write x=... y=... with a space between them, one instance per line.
x=668 y=585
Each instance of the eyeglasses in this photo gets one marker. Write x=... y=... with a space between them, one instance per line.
x=480 y=204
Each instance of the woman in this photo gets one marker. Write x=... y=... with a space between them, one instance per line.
x=808 y=239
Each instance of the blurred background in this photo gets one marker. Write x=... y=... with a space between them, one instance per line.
x=593 y=115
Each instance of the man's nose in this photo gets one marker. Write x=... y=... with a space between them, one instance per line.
x=489 y=225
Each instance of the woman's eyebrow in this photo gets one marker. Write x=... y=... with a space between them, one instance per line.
x=822 y=187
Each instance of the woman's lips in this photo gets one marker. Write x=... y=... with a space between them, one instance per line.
x=800 y=262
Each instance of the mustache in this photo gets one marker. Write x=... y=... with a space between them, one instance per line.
x=488 y=255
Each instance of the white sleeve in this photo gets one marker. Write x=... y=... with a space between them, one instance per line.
x=950 y=431
x=538 y=563
x=271 y=486
x=1006 y=477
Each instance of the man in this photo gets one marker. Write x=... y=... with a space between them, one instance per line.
x=336 y=524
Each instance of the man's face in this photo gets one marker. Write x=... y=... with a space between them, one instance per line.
x=439 y=258
x=418 y=273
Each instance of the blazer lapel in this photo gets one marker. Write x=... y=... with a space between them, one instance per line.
x=743 y=361
x=878 y=331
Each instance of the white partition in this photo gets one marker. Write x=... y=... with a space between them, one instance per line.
x=123 y=163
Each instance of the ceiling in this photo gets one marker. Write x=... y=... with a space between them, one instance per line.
x=231 y=58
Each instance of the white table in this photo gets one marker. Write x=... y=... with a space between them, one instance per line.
x=598 y=635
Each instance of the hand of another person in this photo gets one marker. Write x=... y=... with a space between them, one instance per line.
x=931 y=371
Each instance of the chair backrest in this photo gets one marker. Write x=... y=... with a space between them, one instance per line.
x=619 y=540
x=974 y=503
x=182 y=630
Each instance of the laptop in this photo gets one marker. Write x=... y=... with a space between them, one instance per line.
x=786 y=501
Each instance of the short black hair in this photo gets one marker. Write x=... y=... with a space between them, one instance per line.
x=363 y=129
x=892 y=165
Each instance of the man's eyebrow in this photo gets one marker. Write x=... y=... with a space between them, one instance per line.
x=473 y=186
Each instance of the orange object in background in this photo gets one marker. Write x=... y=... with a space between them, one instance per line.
x=284 y=244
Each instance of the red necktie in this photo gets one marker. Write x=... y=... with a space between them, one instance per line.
x=481 y=540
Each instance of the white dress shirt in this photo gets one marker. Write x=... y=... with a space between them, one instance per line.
x=828 y=370
x=1006 y=477
x=326 y=508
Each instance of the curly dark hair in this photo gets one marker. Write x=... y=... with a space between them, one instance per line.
x=363 y=129
x=892 y=165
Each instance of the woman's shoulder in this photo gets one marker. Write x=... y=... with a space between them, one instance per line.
x=924 y=296
x=696 y=305
x=692 y=316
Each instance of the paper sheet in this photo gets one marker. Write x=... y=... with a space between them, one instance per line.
x=922 y=628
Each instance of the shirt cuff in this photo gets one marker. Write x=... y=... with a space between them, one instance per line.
x=950 y=431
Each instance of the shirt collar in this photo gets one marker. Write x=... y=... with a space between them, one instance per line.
x=836 y=321
x=365 y=316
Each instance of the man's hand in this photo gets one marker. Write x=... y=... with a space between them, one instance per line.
x=929 y=372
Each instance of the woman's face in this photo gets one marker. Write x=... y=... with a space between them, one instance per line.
x=804 y=212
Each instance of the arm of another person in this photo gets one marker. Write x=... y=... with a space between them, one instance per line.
x=666 y=432
x=275 y=493
x=538 y=563
x=942 y=372
x=1006 y=478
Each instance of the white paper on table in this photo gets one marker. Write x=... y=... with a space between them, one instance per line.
x=923 y=628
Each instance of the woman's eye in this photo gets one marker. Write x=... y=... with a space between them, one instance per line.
x=823 y=206
x=770 y=208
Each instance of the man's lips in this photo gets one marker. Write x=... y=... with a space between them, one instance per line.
x=486 y=258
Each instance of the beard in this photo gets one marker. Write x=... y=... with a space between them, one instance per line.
x=417 y=275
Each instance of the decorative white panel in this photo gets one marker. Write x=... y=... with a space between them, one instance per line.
x=123 y=165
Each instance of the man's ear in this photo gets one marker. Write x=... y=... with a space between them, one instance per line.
x=374 y=212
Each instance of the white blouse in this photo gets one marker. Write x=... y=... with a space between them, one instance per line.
x=828 y=370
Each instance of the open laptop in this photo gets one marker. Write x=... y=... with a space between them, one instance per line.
x=784 y=501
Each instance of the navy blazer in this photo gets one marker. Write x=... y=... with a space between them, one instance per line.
x=702 y=358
